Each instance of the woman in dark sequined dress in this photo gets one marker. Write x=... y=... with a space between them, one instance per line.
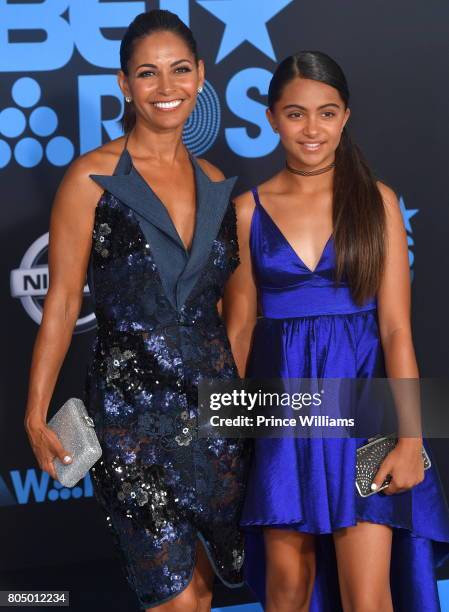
x=157 y=260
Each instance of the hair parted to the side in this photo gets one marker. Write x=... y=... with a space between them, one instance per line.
x=144 y=25
x=358 y=209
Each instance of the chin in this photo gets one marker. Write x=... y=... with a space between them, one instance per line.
x=309 y=162
x=167 y=122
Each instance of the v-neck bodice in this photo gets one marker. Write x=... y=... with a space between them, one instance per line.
x=179 y=269
x=287 y=287
x=164 y=208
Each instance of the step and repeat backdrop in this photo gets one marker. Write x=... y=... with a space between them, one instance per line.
x=59 y=98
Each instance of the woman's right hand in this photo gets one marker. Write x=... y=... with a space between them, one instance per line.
x=46 y=447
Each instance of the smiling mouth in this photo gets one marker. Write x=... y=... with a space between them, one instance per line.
x=311 y=146
x=168 y=105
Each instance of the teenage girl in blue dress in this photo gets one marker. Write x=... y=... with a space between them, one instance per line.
x=312 y=541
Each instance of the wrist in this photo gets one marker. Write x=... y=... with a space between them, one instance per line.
x=410 y=442
x=34 y=422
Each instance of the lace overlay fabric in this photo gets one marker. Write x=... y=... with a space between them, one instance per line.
x=160 y=486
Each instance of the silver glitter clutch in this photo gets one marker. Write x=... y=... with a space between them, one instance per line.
x=75 y=429
x=369 y=458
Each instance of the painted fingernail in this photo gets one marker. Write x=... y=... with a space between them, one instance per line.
x=374 y=487
x=67 y=459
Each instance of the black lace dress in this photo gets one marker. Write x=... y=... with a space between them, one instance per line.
x=159 y=333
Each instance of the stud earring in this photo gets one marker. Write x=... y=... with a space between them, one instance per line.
x=200 y=89
x=128 y=99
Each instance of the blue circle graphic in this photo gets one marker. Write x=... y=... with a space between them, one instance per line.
x=5 y=153
x=12 y=122
x=43 y=121
x=77 y=492
x=53 y=495
x=26 y=92
x=60 y=151
x=203 y=125
x=65 y=494
x=28 y=152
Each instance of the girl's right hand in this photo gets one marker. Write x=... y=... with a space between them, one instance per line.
x=46 y=447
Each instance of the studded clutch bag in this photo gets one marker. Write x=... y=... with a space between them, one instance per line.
x=369 y=459
x=76 y=431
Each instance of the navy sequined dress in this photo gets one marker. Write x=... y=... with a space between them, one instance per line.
x=159 y=332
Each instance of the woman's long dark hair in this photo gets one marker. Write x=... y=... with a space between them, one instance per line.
x=358 y=212
x=142 y=26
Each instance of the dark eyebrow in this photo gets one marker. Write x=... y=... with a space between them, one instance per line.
x=171 y=65
x=304 y=108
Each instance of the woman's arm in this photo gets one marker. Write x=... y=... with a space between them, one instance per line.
x=71 y=226
x=394 y=305
x=240 y=296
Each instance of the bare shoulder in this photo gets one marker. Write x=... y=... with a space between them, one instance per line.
x=388 y=195
x=101 y=160
x=394 y=220
x=244 y=203
x=77 y=189
x=244 y=207
x=214 y=173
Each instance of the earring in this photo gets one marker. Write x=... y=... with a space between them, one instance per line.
x=128 y=99
x=199 y=90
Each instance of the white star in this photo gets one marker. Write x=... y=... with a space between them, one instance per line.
x=245 y=20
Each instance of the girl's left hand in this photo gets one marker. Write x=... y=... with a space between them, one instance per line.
x=404 y=464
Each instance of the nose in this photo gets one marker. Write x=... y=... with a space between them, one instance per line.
x=165 y=85
x=311 y=126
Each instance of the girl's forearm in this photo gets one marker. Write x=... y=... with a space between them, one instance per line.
x=402 y=370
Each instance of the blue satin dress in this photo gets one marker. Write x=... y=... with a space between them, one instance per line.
x=310 y=328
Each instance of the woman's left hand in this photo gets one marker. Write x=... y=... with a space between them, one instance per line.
x=405 y=466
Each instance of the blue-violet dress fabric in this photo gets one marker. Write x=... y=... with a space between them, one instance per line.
x=312 y=329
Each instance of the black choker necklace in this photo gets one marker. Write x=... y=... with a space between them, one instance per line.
x=310 y=172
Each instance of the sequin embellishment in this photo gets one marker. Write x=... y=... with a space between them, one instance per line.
x=157 y=482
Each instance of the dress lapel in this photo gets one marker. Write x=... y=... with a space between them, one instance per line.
x=212 y=201
x=178 y=269
x=127 y=185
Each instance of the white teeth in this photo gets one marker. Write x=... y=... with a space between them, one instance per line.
x=172 y=104
x=312 y=146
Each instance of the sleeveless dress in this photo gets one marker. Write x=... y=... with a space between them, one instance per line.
x=311 y=329
x=159 y=333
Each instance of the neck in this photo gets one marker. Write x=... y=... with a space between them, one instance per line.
x=163 y=147
x=309 y=184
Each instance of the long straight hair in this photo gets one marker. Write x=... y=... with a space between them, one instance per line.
x=358 y=212
x=143 y=25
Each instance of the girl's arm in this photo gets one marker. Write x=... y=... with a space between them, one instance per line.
x=240 y=296
x=394 y=305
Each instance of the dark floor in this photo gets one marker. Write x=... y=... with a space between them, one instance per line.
x=98 y=587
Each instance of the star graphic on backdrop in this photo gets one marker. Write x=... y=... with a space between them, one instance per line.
x=245 y=20
x=407 y=214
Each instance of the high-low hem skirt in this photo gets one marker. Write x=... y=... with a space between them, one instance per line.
x=307 y=485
